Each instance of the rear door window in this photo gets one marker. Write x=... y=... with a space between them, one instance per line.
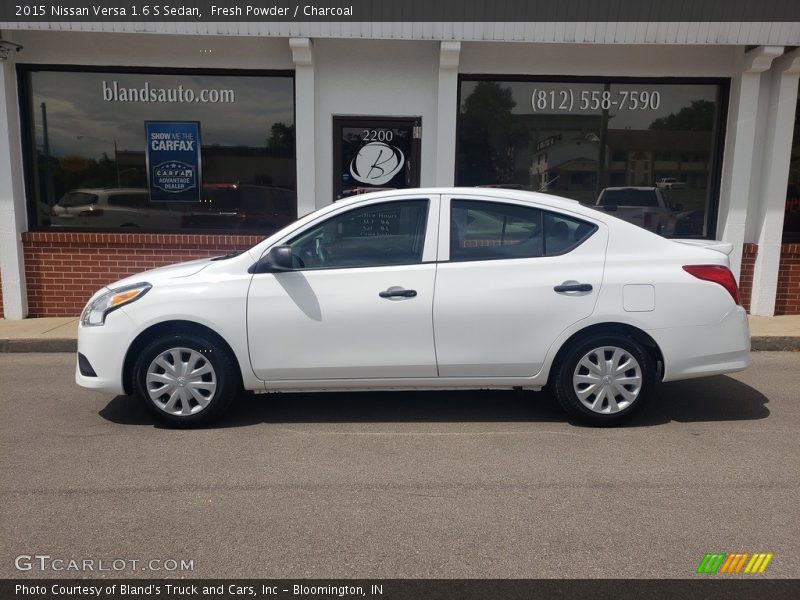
x=494 y=230
x=564 y=233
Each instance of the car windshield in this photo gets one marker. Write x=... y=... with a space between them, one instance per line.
x=643 y=198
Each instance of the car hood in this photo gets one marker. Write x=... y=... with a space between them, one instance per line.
x=153 y=276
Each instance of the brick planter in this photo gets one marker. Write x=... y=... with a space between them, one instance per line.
x=63 y=270
x=787 y=301
x=749 y=253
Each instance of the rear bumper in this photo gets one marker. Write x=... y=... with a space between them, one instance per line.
x=702 y=350
x=104 y=348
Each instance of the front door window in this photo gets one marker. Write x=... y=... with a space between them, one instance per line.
x=389 y=233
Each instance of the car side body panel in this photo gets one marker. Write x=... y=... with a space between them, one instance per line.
x=696 y=324
x=215 y=297
x=511 y=305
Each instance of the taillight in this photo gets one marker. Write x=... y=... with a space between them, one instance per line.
x=96 y=212
x=717 y=274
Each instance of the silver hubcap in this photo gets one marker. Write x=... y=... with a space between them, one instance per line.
x=181 y=381
x=607 y=380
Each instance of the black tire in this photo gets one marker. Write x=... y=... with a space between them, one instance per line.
x=225 y=378
x=603 y=416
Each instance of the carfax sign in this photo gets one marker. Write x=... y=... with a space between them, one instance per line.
x=173 y=160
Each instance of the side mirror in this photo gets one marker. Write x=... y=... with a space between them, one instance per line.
x=277 y=260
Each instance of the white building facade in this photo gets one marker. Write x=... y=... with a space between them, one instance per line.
x=704 y=111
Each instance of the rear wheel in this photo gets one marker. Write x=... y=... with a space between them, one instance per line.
x=604 y=379
x=185 y=380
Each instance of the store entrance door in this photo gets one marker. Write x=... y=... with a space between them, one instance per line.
x=374 y=153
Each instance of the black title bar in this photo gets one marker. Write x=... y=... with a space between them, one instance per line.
x=705 y=587
x=14 y=11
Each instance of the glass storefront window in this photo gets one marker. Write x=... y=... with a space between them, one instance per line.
x=86 y=149
x=579 y=138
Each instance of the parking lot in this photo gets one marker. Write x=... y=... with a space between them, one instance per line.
x=448 y=484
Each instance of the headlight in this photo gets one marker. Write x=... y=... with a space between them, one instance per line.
x=95 y=312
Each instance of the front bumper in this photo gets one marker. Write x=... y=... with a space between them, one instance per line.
x=104 y=348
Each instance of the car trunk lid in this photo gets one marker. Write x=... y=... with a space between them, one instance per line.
x=723 y=247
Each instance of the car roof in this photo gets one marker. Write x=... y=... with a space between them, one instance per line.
x=556 y=202
x=536 y=199
x=499 y=193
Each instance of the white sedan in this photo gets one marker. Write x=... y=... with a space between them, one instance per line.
x=424 y=289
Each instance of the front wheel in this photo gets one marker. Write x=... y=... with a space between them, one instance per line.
x=185 y=380
x=604 y=379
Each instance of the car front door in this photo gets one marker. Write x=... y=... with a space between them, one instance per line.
x=358 y=303
x=511 y=278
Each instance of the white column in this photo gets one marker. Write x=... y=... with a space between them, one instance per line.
x=447 y=112
x=303 y=57
x=737 y=169
x=775 y=173
x=13 y=219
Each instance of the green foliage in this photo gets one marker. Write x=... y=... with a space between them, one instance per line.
x=699 y=116
x=488 y=137
x=281 y=140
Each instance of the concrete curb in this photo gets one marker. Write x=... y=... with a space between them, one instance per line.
x=37 y=345
x=775 y=343
x=757 y=344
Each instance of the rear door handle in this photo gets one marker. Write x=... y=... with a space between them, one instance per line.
x=394 y=292
x=573 y=287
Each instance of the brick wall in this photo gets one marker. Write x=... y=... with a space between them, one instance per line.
x=749 y=253
x=787 y=302
x=64 y=269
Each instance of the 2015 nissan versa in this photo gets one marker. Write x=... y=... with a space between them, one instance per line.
x=424 y=289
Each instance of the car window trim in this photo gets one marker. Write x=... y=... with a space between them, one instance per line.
x=429 y=247
x=445 y=209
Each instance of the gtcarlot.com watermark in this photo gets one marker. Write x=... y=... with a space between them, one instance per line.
x=44 y=563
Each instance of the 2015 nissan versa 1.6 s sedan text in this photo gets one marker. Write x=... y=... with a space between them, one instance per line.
x=424 y=289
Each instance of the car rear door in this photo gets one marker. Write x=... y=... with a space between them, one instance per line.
x=359 y=304
x=510 y=279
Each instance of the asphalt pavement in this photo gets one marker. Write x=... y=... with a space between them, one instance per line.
x=429 y=485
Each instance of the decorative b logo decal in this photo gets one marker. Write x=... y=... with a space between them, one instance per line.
x=376 y=163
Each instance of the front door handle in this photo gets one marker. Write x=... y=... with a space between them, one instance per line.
x=573 y=287
x=397 y=292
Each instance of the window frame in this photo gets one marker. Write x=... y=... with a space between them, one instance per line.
x=429 y=244
x=28 y=142
x=717 y=133
x=445 y=216
x=500 y=208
